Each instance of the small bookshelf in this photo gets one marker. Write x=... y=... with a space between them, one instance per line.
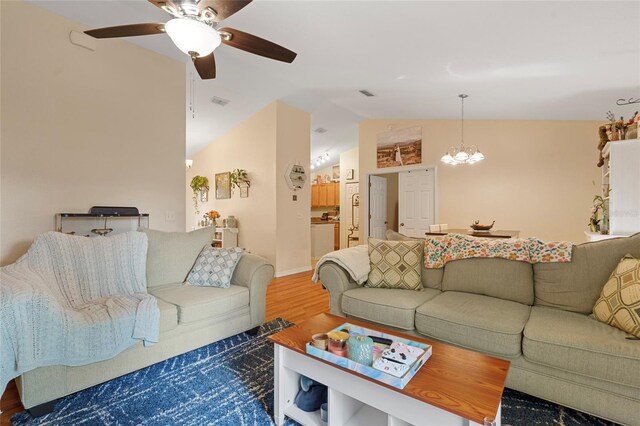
x=225 y=237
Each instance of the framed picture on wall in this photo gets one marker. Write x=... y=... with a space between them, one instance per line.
x=223 y=185
x=400 y=147
x=335 y=173
x=349 y=174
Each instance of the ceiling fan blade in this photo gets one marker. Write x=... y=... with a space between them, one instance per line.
x=206 y=67
x=256 y=45
x=222 y=8
x=127 y=30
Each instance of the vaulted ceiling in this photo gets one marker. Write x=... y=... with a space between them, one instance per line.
x=565 y=60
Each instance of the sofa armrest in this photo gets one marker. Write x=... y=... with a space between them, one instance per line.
x=255 y=273
x=336 y=280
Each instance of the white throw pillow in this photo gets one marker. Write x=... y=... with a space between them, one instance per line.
x=214 y=267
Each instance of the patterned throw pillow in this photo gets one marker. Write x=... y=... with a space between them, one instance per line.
x=395 y=264
x=214 y=267
x=619 y=302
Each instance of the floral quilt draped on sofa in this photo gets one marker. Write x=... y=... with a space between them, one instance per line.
x=74 y=300
x=439 y=251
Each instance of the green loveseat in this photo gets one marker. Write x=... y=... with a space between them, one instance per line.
x=536 y=316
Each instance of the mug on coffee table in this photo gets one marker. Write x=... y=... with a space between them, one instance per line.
x=320 y=341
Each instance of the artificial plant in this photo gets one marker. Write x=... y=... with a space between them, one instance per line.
x=198 y=183
x=239 y=176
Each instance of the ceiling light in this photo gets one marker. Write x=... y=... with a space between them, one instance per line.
x=462 y=155
x=194 y=38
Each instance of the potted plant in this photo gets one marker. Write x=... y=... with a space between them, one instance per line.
x=239 y=178
x=198 y=184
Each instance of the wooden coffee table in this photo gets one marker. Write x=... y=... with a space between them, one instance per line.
x=454 y=387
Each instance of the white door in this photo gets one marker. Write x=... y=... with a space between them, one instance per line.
x=378 y=207
x=416 y=201
x=353 y=204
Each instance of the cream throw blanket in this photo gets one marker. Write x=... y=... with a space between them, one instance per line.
x=74 y=300
x=354 y=260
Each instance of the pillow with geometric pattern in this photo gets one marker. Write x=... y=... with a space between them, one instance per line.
x=214 y=267
x=395 y=264
x=619 y=302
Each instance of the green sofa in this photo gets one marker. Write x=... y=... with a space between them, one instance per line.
x=190 y=317
x=536 y=316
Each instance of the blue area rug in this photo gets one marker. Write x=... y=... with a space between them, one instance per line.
x=230 y=382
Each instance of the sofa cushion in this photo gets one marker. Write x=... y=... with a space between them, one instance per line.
x=619 y=302
x=395 y=264
x=392 y=307
x=474 y=321
x=214 y=266
x=168 y=315
x=432 y=277
x=576 y=343
x=502 y=278
x=171 y=255
x=576 y=286
x=199 y=303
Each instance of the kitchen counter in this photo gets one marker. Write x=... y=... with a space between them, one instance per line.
x=318 y=221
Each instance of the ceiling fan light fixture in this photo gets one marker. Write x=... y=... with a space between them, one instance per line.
x=194 y=36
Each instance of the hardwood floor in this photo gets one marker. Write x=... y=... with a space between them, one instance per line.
x=294 y=298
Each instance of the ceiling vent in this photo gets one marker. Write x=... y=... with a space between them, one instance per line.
x=219 y=101
x=320 y=130
x=366 y=93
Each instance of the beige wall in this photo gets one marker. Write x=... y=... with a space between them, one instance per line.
x=293 y=228
x=83 y=128
x=538 y=176
x=271 y=223
x=348 y=160
x=249 y=146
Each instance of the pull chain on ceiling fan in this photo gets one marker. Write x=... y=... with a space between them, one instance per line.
x=194 y=31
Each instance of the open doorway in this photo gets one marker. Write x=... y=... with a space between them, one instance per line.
x=402 y=201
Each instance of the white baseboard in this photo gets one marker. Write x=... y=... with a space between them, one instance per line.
x=292 y=271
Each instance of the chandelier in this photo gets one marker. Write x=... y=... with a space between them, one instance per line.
x=462 y=155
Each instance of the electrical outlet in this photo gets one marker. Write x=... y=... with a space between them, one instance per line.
x=170 y=216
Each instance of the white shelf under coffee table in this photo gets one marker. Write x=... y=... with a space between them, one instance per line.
x=454 y=387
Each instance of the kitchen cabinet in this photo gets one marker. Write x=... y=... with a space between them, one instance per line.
x=322 y=196
x=331 y=194
x=325 y=195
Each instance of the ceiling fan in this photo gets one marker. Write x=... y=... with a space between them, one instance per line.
x=194 y=30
